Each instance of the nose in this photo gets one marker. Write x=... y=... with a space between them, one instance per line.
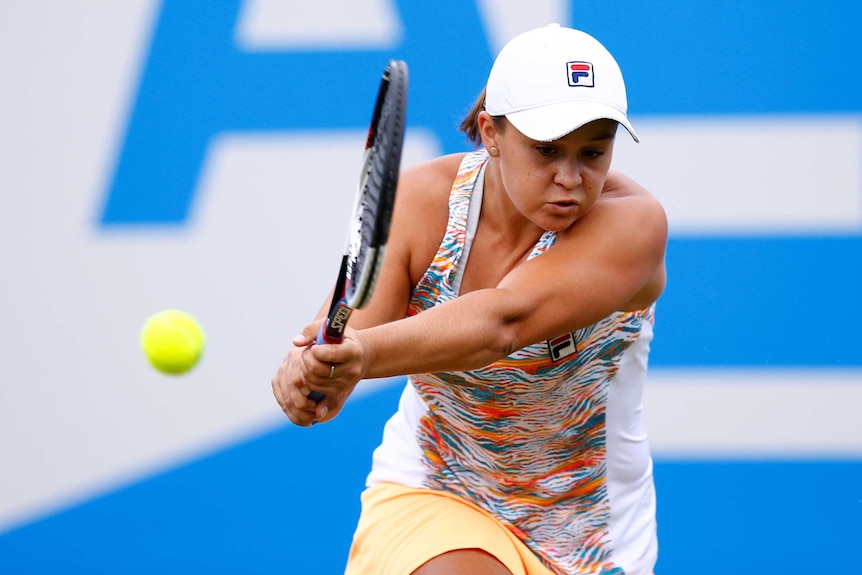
x=568 y=174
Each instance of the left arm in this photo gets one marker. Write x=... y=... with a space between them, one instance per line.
x=610 y=260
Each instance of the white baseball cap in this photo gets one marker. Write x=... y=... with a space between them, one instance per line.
x=551 y=81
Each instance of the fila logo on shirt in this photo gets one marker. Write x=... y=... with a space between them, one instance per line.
x=562 y=346
x=580 y=74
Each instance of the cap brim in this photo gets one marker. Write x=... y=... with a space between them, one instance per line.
x=553 y=121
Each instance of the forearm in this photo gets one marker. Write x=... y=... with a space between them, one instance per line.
x=469 y=332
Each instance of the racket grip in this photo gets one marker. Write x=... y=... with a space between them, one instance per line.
x=321 y=339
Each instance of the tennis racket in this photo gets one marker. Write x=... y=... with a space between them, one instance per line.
x=372 y=210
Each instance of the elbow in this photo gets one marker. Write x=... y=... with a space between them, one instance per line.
x=507 y=340
x=498 y=321
x=512 y=316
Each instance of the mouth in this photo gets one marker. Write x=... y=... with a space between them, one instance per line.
x=564 y=207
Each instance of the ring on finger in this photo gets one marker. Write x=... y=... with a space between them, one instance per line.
x=331 y=370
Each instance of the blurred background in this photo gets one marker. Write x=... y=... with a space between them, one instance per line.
x=198 y=155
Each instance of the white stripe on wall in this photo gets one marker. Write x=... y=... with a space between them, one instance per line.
x=751 y=175
x=765 y=414
x=279 y=25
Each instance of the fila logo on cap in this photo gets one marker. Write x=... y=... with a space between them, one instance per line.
x=580 y=74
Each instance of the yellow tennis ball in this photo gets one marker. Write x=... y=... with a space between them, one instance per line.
x=173 y=341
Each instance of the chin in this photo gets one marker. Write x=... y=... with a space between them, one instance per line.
x=558 y=223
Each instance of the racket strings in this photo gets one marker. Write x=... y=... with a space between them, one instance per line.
x=370 y=227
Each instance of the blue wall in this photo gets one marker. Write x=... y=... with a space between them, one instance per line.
x=286 y=501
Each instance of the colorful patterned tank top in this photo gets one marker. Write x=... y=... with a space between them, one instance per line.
x=549 y=440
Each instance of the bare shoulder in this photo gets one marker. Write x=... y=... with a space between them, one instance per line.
x=634 y=230
x=423 y=190
x=426 y=181
x=422 y=210
x=619 y=185
x=629 y=200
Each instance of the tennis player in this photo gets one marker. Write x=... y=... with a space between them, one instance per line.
x=518 y=295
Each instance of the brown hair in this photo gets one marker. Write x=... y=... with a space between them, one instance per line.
x=470 y=123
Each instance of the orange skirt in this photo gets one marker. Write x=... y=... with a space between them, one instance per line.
x=401 y=528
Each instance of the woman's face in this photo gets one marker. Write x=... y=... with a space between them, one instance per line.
x=553 y=183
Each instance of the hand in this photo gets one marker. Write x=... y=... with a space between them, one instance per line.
x=331 y=369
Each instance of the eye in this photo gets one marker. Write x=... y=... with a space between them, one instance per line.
x=593 y=153
x=546 y=150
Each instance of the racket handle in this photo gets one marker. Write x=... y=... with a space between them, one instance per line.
x=321 y=339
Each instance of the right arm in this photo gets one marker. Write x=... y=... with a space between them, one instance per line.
x=418 y=225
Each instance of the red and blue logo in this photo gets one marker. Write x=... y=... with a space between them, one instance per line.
x=562 y=346
x=580 y=74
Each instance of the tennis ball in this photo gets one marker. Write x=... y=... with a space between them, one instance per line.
x=173 y=341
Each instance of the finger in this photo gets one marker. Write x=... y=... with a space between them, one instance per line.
x=282 y=398
x=347 y=351
x=299 y=397
x=309 y=334
x=296 y=416
x=300 y=416
x=313 y=369
x=285 y=402
x=321 y=411
x=323 y=374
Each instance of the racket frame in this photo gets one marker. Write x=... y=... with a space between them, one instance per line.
x=388 y=121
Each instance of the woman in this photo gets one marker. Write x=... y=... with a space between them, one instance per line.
x=518 y=294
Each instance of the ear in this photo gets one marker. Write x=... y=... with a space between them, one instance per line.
x=487 y=130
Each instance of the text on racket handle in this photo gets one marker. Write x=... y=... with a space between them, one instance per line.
x=338 y=321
